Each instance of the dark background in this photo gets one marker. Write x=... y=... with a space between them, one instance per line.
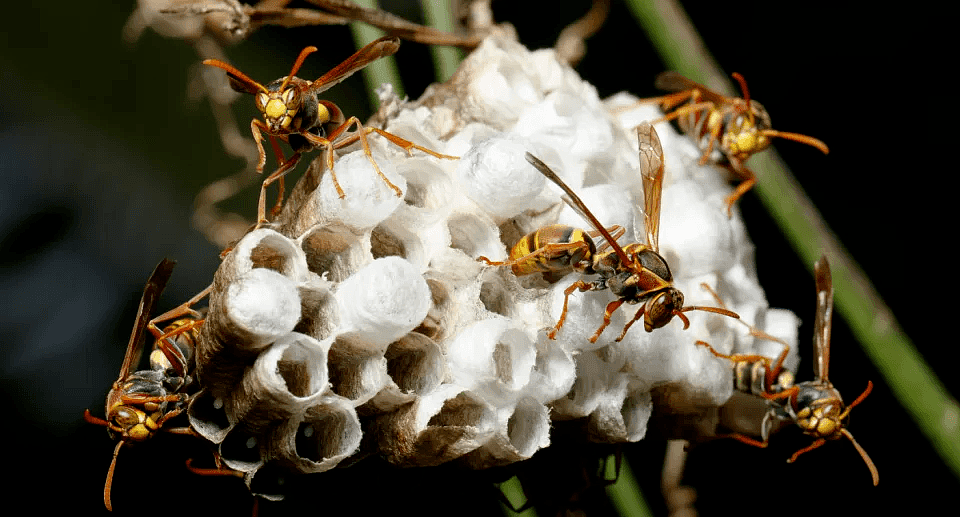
x=101 y=155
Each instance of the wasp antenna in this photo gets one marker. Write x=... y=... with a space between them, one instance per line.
x=109 y=483
x=715 y=310
x=746 y=94
x=796 y=137
x=683 y=317
x=858 y=400
x=865 y=456
x=250 y=85
x=94 y=420
x=297 y=64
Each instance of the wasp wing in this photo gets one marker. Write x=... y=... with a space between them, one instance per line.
x=376 y=49
x=824 y=321
x=671 y=81
x=651 y=171
x=151 y=293
x=578 y=205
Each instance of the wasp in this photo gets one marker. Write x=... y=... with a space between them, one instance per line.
x=635 y=273
x=292 y=112
x=141 y=402
x=740 y=126
x=815 y=406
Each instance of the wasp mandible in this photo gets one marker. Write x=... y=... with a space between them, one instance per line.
x=815 y=406
x=292 y=112
x=141 y=402
x=635 y=273
x=740 y=126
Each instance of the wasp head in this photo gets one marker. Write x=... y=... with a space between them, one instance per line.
x=280 y=101
x=746 y=130
x=134 y=424
x=280 y=105
x=661 y=308
x=820 y=412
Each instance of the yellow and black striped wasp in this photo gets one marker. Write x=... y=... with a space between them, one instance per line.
x=740 y=126
x=141 y=402
x=292 y=112
x=635 y=273
x=815 y=406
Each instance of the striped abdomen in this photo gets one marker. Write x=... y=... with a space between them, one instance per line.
x=554 y=249
x=751 y=377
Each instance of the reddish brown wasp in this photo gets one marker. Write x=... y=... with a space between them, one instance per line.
x=635 y=273
x=815 y=406
x=292 y=112
x=740 y=126
x=141 y=402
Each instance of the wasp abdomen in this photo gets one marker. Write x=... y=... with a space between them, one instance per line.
x=553 y=249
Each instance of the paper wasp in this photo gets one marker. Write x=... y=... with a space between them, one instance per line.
x=635 y=273
x=292 y=112
x=740 y=126
x=141 y=402
x=815 y=406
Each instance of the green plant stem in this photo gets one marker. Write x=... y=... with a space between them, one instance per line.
x=513 y=491
x=445 y=59
x=625 y=493
x=380 y=71
x=904 y=369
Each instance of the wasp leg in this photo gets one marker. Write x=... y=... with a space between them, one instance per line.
x=181 y=329
x=280 y=186
x=749 y=180
x=666 y=102
x=705 y=157
x=745 y=439
x=579 y=284
x=176 y=430
x=685 y=110
x=181 y=310
x=361 y=135
x=773 y=371
x=607 y=314
x=278 y=174
x=560 y=248
x=218 y=471
x=630 y=323
x=139 y=399
x=616 y=231
x=816 y=444
x=257 y=127
x=328 y=147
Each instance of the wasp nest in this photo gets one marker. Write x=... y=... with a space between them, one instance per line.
x=370 y=316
